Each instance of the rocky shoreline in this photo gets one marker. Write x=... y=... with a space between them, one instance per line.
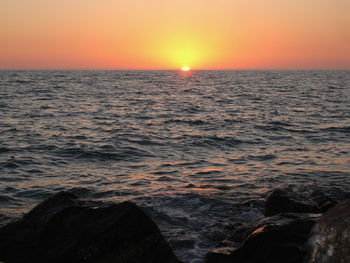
x=63 y=228
x=292 y=231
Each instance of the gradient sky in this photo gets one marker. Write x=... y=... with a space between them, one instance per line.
x=170 y=34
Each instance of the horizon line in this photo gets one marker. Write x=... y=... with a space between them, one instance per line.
x=169 y=69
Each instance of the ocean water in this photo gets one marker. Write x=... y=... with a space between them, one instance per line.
x=197 y=151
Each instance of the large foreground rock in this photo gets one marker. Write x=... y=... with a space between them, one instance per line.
x=329 y=240
x=281 y=238
x=64 y=229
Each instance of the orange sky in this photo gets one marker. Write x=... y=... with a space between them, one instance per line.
x=170 y=34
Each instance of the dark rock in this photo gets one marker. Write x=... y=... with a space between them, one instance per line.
x=281 y=238
x=243 y=231
x=329 y=240
x=322 y=201
x=65 y=229
x=279 y=201
x=218 y=255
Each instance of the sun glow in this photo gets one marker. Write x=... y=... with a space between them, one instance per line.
x=185 y=68
x=201 y=34
x=178 y=49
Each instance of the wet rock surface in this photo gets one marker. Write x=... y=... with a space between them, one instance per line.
x=329 y=240
x=280 y=236
x=323 y=202
x=282 y=201
x=65 y=229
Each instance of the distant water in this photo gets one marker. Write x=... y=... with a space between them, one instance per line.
x=190 y=148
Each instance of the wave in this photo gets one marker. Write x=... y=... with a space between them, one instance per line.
x=343 y=129
x=14 y=162
x=266 y=157
x=218 y=141
x=22 y=81
x=6 y=198
x=143 y=141
x=125 y=153
x=280 y=123
x=283 y=128
x=214 y=140
x=4 y=149
x=186 y=121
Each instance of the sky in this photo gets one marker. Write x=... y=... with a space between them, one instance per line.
x=170 y=34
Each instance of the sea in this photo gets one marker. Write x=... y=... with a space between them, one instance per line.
x=198 y=151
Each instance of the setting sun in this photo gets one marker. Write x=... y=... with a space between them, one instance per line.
x=185 y=68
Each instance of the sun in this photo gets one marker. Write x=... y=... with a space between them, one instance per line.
x=185 y=68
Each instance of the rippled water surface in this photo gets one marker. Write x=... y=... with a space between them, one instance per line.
x=187 y=147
